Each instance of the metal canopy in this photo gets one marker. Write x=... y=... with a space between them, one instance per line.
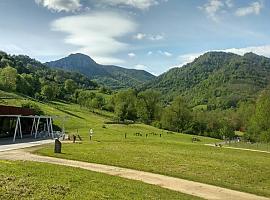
x=35 y=125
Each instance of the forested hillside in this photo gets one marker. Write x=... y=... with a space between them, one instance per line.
x=216 y=79
x=111 y=76
x=27 y=76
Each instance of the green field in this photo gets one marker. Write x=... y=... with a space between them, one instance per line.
x=239 y=170
x=171 y=154
x=29 y=180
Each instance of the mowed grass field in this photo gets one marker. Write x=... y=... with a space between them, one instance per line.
x=171 y=154
x=29 y=180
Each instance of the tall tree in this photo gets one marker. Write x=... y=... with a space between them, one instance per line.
x=260 y=122
x=245 y=112
x=148 y=105
x=177 y=116
x=50 y=92
x=70 y=86
x=27 y=84
x=8 y=77
x=125 y=105
x=98 y=102
x=85 y=98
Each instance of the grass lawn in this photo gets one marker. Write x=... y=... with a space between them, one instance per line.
x=239 y=170
x=29 y=180
x=172 y=154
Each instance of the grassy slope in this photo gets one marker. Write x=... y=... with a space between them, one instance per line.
x=28 y=180
x=173 y=154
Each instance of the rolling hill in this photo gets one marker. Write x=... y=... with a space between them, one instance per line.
x=29 y=77
x=216 y=79
x=109 y=75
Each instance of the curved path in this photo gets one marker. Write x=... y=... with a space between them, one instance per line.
x=188 y=187
x=238 y=148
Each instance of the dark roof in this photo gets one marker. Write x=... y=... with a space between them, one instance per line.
x=10 y=110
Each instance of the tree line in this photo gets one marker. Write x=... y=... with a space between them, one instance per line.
x=147 y=107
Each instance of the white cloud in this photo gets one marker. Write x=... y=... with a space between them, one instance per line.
x=131 y=55
x=140 y=67
x=108 y=60
x=139 y=36
x=139 y=4
x=156 y=37
x=97 y=34
x=165 y=53
x=212 y=7
x=187 y=58
x=260 y=50
x=253 y=8
x=149 y=53
x=60 y=5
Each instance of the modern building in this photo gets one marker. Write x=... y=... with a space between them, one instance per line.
x=19 y=122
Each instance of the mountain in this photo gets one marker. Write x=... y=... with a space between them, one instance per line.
x=216 y=79
x=109 y=75
x=31 y=76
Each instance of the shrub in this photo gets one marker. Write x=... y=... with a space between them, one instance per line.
x=37 y=110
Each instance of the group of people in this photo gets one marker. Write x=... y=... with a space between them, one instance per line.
x=74 y=137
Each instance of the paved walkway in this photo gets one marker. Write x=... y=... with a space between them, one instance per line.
x=238 y=148
x=188 y=187
x=7 y=146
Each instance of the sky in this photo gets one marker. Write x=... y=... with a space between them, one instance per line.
x=152 y=35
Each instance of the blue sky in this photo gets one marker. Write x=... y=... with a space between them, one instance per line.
x=154 y=35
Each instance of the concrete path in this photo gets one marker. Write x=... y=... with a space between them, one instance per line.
x=243 y=149
x=238 y=148
x=188 y=187
x=14 y=146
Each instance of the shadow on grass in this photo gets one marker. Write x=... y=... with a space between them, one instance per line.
x=58 y=102
x=69 y=113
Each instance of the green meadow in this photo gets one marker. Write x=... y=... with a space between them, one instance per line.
x=29 y=180
x=171 y=154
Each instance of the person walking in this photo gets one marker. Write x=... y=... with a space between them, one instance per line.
x=91 y=132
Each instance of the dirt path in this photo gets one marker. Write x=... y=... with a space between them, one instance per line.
x=188 y=187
